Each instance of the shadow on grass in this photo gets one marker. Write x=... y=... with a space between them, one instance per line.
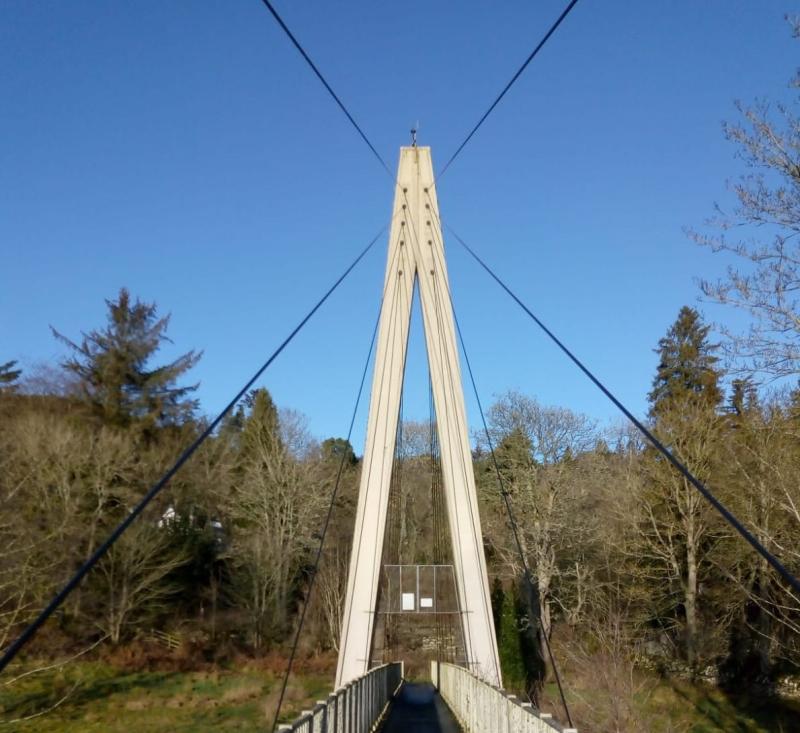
x=729 y=711
x=81 y=690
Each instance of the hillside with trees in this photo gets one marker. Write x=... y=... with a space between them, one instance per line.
x=639 y=584
x=630 y=563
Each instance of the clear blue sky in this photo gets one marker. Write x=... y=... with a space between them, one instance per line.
x=183 y=150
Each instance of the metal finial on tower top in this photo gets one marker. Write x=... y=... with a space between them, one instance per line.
x=414 y=135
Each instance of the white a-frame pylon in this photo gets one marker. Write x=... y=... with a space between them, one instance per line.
x=416 y=252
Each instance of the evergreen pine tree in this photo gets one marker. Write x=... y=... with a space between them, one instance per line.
x=335 y=450
x=504 y=608
x=262 y=425
x=743 y=399
x=513 y=455
x=686 y=370
x=8 y=375
x=678 y=528
x=793 y=406
x=114 y=372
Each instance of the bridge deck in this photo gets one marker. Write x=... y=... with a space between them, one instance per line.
x=419 y=708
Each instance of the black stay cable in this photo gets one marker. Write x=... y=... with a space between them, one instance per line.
x=508 y=86
x=325 y=525
x=327 y=86
x=28 y=633
x=512 y=519
x=726 y=514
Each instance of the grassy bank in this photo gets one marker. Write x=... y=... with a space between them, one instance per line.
x=96 y=696
x=674 y=706
x=99 y=696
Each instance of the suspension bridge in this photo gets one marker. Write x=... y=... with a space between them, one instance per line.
x=390 y=599
x=444 y=603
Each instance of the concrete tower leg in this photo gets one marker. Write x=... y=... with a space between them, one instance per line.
x=416 y=250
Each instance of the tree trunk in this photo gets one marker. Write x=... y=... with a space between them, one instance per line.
x=690 y=595
x=214 y=588
x=763 y=621
x=543 y=583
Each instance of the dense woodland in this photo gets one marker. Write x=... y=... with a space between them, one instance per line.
x=632 y=568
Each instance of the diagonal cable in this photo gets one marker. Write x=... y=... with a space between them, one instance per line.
x=325 y=526
x=504 y=493
x=726 y=514
x=511 y=517
x=508 y=86
x=327 y=86
x=98 y=554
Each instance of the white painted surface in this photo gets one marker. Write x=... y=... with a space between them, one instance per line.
x=416 y=249
x=483 y=708
x=354 y=708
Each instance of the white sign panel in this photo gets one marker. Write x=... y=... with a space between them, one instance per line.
x=408 y=602
x=426 y=602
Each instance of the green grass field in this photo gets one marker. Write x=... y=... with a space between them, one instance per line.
x=708 y=710
x=676 y=706
x=96 y=696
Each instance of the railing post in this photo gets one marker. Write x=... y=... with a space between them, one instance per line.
x=371 y=698
x=375 y=694
x=360 y=698
x=321 y=717
x=362 y=718
x=330 y=718
x=358 y=688
x=483 y=708
x=352 y=714
x=354 y=708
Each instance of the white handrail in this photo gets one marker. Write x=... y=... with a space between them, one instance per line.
x=357 y=707
x=482 y=708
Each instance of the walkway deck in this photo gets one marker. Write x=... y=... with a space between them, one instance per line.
x=419 y=708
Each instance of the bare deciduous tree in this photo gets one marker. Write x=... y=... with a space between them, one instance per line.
x=330 y=589
x=762 y=231
x=536 y=447
x=763 y=470
x=132 y=581
x=273 y=508
x=677 y=528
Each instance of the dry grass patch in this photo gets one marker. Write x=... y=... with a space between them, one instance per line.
x=295 y=700
x=242 y=693
x=139 y=703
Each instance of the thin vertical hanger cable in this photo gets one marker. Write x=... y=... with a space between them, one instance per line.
x=382 y=383
x=505 y=495
x=449 y=379
x=325 y=526
x=512 y=520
